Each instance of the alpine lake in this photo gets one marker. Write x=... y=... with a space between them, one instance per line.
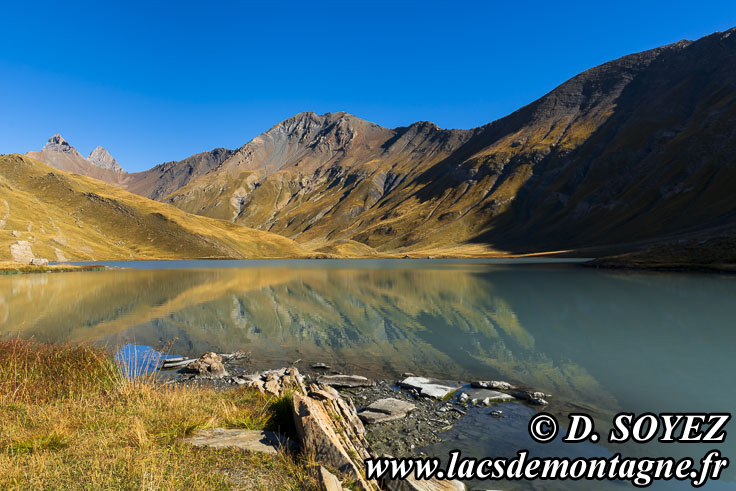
x=599 y=341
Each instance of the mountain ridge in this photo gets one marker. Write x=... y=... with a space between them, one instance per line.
x=57 y=215
x=623 y=152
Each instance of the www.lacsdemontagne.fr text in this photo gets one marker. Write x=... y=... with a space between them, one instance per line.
x=641 y=472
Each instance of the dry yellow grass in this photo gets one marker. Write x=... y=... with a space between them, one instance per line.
x=66 y=216
x=71 y=421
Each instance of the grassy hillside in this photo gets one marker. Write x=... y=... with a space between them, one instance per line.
x=66 y=216
x=637 y=149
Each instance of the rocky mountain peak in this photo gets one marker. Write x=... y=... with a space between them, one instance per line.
x=102 y=158
x=57 y=143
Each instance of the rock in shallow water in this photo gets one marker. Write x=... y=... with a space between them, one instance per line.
x=480 y=395
x=492 y=384
x=209 y=365
x=429 y=387
x=345 y=381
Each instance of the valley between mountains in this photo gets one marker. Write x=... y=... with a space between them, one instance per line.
x=635 y=153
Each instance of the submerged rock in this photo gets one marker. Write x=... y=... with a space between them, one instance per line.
x=492 y=384
x=384 y=410
x=487 y=396
x=209 y=365
x=429 y=387
x=537 y=398
x=346 y=381
x=320 y=366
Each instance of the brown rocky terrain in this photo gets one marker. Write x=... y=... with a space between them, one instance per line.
x=638 y=149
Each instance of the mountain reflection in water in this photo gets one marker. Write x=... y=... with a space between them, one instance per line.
x=598 y=341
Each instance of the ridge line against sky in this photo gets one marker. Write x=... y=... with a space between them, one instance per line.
x=159 y=81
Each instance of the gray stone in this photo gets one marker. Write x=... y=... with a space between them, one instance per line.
x=320 y=366
x=492 y=384
x=384 y=410
x=38 y=261
x=491 y=395
x=429 y=387
x=345 y=381
x=251 y=441
x=329 y=481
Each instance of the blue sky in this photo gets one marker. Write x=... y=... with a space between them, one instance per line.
x=159 y=81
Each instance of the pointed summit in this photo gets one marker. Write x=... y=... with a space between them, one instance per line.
x=57 y=143
x=102 y=158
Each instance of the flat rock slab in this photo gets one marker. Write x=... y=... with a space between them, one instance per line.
x=429 y=387
x=346 y=381
x=492 y=395
x=384 y=410
x=251 y=441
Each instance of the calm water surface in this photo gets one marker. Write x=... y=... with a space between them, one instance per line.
x=601 y=342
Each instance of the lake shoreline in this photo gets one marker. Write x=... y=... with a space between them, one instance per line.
x=10 y=268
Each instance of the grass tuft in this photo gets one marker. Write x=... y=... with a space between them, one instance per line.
x=71 y=420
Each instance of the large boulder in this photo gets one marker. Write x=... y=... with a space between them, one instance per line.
x=209 y=365
x=330 y=431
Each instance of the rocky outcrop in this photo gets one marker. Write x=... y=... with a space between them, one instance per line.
x=330 y=430
x=102 y=158
x=60 y=154
x=274 y=382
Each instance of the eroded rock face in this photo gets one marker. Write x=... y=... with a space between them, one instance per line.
x=330 y=430
x=102 y=158
x=209 y=365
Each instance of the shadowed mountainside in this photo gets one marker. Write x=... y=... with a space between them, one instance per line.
x=637 y=150
x=62 y=216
